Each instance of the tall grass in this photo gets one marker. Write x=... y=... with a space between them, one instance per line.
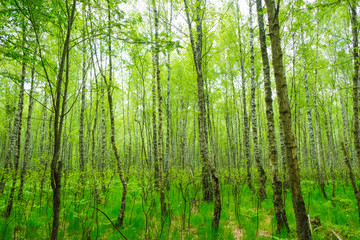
x=253 y=220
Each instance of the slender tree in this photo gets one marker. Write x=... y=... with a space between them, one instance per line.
x=82 y=106
x=59 y=114
x=262 y=182
x=279 y=208
x=120 y=219
x=245 y=114
x=159 y=160
x=354 y=30
x=27 y=145
x=313 y=150
x=16 y=141
x=168 y=112
x=204 y=149
x=302 y=222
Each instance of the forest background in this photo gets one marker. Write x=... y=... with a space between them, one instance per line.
x=179 y=119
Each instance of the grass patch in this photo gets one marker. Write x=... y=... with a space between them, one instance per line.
x=188 y=217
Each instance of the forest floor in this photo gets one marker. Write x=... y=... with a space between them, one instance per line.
x=242 y=216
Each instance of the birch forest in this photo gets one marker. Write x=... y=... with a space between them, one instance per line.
x=179 y=119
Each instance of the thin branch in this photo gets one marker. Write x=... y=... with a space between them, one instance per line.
x=170 y=24
x=110 y=221
x=14 y=80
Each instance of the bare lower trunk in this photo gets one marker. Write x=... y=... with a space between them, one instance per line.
x=331 y=145
x=154 y=140
x=121 y=216
x=103 y=141
x=320 y=154
x=352 y=177
x=127 y=166
x=94 y=148
x=284 y=176
x=345 y=122
x=45 y=149
x=183 y=134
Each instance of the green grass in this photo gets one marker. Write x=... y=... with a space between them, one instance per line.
x=32 y=220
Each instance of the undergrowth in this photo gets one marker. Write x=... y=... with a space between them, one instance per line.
x=188 y=216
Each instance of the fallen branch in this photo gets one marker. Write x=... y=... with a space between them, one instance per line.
x=110 y=221
x=337 y=236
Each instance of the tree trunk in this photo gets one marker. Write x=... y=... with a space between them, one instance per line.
x=59 y=114
x=82 y=109
x=204 y=149
x=168 y=114
x=354 y=27
x=314 y=158
x=318 y=134
x=16 y=141
x=331 y=145
x=14 y=136
x=93 y=145
x=103 y=140
x=302 y=222
x=27 y=146
x=262 y=183
x=45 y=146
x=183 y=134
x=120 y=219
x=159 y=160
x=352 y=177
x=345 y=120
x=154 y=142
x=128 y=165
x=245 y=116
x=280 y=212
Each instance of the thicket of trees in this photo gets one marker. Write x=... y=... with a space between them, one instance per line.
x=232 y=93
